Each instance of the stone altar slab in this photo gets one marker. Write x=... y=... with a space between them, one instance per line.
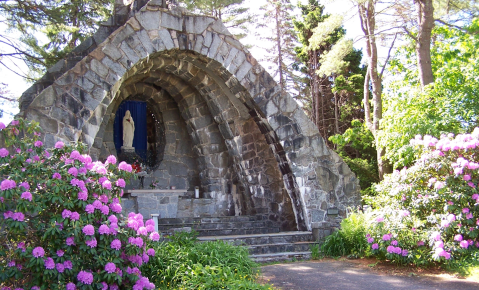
x=152 y=201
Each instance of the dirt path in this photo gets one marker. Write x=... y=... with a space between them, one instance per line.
x=358 y=274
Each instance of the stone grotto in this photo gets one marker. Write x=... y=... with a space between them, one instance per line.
x=208 y=117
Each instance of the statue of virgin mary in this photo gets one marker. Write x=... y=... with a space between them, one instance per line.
x=128 y=130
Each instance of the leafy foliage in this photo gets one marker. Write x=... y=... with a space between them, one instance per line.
x=184 y=263
x=450 y=105
x=61 y=225
x=429 y=212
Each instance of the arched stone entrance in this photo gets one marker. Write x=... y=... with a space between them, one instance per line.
x=253 y=150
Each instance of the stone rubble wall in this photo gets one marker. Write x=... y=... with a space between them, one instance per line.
x=201 y=52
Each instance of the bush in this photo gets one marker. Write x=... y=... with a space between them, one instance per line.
x=61 y=223
x=349 y=239
x=183 y=263
x=429 y=212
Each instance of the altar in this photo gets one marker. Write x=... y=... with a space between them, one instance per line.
x=148 y=202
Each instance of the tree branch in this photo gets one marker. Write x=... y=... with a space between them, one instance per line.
x=409 y=33
x=455 y=26
x=387 y=58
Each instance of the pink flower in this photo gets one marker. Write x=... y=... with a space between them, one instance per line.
x=142 y=231
x=125 y=166
x=18 y=216
x=458 y=238
x=106 y=184
x=8 y=184
x=465 y=210
x=375 y=246
x=386 y=237
x=104 y=229
x=68 y=264
x=75 y=155
x=469 y=216
x=60 y=267
x=75 y=216
x=104 y=198
x=439 y=185
x=404 y=253
x=14 y=123
x=82 y=195
x=475 y=196
x=110 y=267
x=466 y=177
x=154 y=236
x=26 y=195
x=49 y=264
x=59 y=145
x=115 y=244
x=91 y=243
x=150 y=228
x=464 y=244
x=56 y=175
x=436 y=236
x=38 y=252
x=97 y=204
x=73 y=171
x=150 y=252
x=89 y=208
x=471 y=184
x=113 y=219
x=66 y=213
x=116 y=207
x=394 y=243
x=111 y=160
x=88 y=230
x=38 y=144
x=71 y=286
x=120 y=182
x=70 y=241
x=104 y=286
x=420 y=243
x=379 y=219
x=60 y=253
x=390 y=249
x=2 y=126
x=105 y=210
x=85 y=277
x=4 y=152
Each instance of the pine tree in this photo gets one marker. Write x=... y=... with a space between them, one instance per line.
x=333 y=69
x=235 y=16
x=278 y=20
x=63 y=23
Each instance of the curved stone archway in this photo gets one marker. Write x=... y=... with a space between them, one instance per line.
x=237 y=117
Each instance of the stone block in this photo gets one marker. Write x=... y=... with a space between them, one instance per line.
x=48 y=124
x=197 y=24
x=170 y=21
x=219 y=27
x=130 y=53
x=45 y=99
x=165 y=37
x=146 y=41
x=150 y=20
x=98 y=68
x=112 y=51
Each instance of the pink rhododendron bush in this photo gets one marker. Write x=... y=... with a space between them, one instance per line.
x=430 y=211
x=60 y=218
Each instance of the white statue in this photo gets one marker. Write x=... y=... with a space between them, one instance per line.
x=128 y=130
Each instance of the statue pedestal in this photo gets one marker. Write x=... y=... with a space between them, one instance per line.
x=129 y=155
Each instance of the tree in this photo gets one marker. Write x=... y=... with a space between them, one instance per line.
x=277 y=17
x=63 y=23
x=231 y=12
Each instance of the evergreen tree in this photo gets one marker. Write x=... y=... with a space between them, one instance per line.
x=283 y=39
x=335 y=78
x=235 y=16
x=64 y=24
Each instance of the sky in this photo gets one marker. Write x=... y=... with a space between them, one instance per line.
x=16 y=84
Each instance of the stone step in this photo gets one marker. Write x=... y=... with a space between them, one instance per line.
x=280 y=247
x=262 y=239
x=203 y=220
x=218 y=226
x=236 y=232
x=280 y=257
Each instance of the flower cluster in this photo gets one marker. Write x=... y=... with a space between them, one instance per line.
x=77 y=217
x=433 y=206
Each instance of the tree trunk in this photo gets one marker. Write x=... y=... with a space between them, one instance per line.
x=336 y=114
x=367 y=17
x=367 y=108
x=278 y=44
x=425 y=18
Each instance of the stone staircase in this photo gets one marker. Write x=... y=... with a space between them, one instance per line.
x=264 y=240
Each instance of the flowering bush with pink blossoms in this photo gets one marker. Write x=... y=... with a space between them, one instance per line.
x=60 y=218
x=430 y=211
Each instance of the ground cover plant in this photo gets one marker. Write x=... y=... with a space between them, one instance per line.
x=60 y=218
x=430 y=212
x=184 y=263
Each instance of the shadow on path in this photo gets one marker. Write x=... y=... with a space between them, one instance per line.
x=344 y=275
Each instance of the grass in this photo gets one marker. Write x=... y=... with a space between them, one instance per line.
x=184 y=263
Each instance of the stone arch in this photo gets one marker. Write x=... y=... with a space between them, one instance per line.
x=200 y=52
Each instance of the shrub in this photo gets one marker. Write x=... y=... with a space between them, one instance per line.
x=183 y=263
x=349 y=239
x=429 y=212
x=61 y=223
